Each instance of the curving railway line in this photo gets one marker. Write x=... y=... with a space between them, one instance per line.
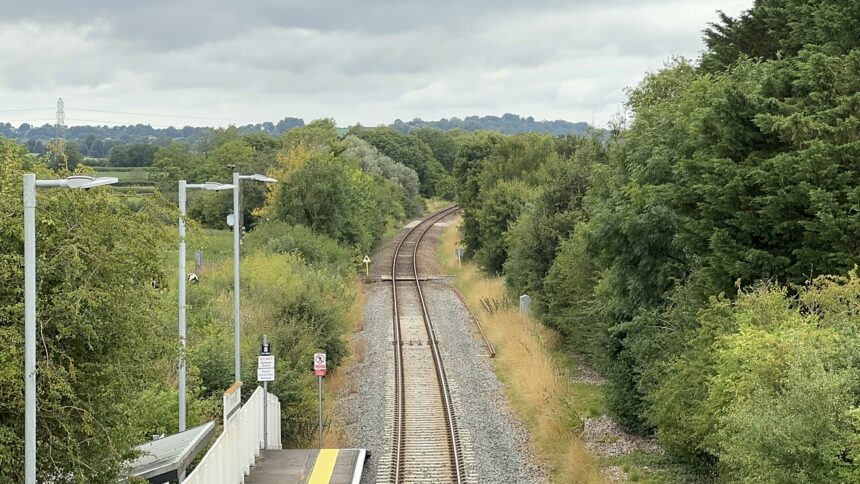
x=426 y=443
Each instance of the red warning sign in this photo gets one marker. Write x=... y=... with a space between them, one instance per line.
x=319 y=364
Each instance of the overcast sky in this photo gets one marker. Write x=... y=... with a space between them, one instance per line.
x=221 y=62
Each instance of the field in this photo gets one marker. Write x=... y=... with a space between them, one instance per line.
x=131 y=179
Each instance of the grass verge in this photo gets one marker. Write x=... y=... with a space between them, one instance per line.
x=530 y=363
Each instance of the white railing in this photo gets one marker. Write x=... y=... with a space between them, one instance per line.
x=230 y=458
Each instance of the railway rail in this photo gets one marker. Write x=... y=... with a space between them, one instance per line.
x=426 y=443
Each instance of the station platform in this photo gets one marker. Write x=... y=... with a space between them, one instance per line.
x=308 y=466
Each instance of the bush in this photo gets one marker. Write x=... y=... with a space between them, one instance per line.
x=500 y=208
x=316 y=249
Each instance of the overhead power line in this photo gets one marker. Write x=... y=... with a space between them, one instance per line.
x=25 y=109
x=177 y=116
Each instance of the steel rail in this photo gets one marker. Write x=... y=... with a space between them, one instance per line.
x=400 y=396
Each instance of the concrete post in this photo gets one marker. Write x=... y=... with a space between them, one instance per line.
x=525 y=305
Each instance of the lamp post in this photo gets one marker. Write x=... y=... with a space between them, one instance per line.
x=236 y=235
x=30 y=184
x=183 y=186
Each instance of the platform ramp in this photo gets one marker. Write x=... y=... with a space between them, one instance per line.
x=308 y=466
x=165 y=459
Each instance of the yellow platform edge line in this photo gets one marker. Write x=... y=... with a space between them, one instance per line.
x=324 y=466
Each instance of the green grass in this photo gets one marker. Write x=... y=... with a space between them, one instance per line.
x=132 y=189
x=132 y=179
x=136 y=174
x=590 y=400
x=218 y=247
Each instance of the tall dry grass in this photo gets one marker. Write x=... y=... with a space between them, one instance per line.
x=529 y=362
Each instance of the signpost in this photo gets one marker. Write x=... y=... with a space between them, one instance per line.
x=320 y=371
x=367 y=265
x=265 y=374
x=460 y=252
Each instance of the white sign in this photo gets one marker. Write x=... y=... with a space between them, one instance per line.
x=230 y=220
x=266 y=362
x=460 y=252
x=319 y=361
x=366 y=260
x=265 y=374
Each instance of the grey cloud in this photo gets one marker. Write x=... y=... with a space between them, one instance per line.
x=360 y=60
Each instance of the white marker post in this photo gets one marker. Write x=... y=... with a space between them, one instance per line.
x=320 y=371
x=460 y=252
x=265 y=374
x=367 y=265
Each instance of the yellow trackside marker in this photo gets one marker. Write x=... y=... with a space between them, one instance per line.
x=324 y=466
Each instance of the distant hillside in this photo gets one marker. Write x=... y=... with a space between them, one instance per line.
x=507 y=123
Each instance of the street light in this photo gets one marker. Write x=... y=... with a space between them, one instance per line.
x=213 y=186
x=30 y=184
x=236 y=232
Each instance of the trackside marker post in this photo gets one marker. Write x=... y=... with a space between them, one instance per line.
x=367 y=265
x=460 y=252
x=320 y=371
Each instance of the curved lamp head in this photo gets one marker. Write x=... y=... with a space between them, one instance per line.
x=215 y=186
x=83 y=181
x=263 y=178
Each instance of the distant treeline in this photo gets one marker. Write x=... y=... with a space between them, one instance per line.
x=506 y=124
x=99 y=141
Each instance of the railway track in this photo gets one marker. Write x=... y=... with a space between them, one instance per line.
x=426 y=443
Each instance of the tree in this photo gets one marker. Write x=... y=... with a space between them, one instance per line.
x=104 y=333
x=137 y=154
x=408 y=150
x=322 y=197
x=61 y=155
x=375 y=163
x=443 y=144
x=502 y=205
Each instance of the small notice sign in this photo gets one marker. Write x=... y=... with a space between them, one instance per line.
x=265 y=374
x=319 y=364
x=266 y=361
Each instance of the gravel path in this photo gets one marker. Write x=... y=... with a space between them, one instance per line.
x=494 y=439
x=362 y=408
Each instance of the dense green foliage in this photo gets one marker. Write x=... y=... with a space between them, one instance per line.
x=106 y=348
x=410 y=151
x=344 y=189
x=678 y=253
x=137 y=154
